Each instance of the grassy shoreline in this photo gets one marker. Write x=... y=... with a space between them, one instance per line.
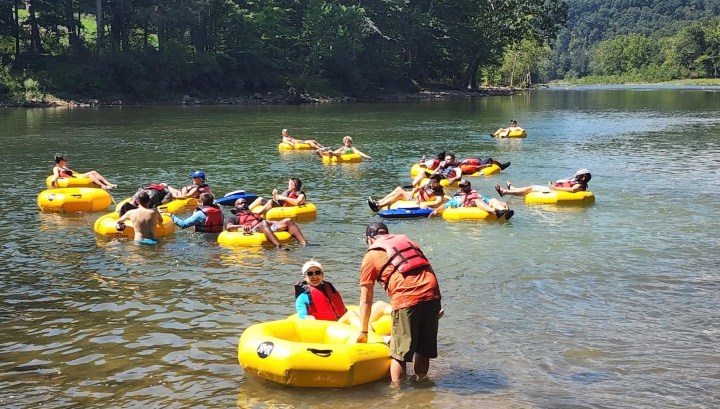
x=431 y=92
x=613 y=80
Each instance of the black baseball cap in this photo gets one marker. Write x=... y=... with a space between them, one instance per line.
x=375 y=228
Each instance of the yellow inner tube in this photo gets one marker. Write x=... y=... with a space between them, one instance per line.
x=344 y=158
x=416 y=169
x=467 y=213
x=73 y=199
x=174 y=206
x=105 y=226
x=69 y=182
x=312 y=353
x=304 y=212
x=490 y=170
x=518 y=133
x=381 y=326
x=443 y=182
x=237 y=238
x=283 y=146
x=561 y=198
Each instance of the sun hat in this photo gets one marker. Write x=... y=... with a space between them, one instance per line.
x=310 y=264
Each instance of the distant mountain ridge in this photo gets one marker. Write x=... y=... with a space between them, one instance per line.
x=592 y=21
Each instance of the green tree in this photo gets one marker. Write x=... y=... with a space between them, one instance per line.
x=332 y=37
x=688 y=46
x=712 y=52
x=623 y=54
x=526 y=63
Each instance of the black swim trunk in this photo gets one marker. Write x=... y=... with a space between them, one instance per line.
x=415 y=329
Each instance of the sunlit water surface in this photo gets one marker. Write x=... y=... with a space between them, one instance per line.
x=613 y=305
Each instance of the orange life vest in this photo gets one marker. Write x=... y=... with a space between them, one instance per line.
x=469 y=198
x=403 y=254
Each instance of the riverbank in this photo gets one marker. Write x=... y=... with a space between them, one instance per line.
x=288 y=97
x=615 y=80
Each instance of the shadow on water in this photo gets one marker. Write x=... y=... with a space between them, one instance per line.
x=472 y=381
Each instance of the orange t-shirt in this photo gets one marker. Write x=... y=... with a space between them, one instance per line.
x=406 y=290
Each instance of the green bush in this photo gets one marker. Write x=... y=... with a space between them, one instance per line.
x=32 y=90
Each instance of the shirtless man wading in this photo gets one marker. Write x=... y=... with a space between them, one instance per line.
x=144 y=219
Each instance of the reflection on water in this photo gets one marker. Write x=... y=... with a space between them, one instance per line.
x=607 y=305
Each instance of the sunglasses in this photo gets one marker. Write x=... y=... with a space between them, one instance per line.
x=313 y=273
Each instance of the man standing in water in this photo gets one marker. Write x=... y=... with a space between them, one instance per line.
x=406 y=274
x=144 y=219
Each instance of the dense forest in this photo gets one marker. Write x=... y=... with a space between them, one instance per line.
x=147 y=50
x=653 y=40
x=155 y=49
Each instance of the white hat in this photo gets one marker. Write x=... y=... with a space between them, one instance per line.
x=311 y=263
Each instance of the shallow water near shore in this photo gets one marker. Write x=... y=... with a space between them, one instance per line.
x=612 y=305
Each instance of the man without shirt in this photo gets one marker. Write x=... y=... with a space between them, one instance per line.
x=144 y=220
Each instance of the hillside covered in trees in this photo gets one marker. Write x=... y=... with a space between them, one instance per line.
x=651 y=39
x=147 y=50
x=156 y=49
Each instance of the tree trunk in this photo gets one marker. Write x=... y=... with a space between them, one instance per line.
x=35 y=43
x=119 y=26
x=469 y=78
x=116 y=24
x=72 y=26
x=512 y=72
x=146 y=27
x=161 y=33
x=17 y=30
x=100 y=26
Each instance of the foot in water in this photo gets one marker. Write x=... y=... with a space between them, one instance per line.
x=499 y=190
x=509 y=214
x=504 y=166
x=500 y=213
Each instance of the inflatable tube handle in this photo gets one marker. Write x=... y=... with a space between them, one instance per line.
x=323 y=353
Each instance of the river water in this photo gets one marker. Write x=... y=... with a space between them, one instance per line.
x=612 y=305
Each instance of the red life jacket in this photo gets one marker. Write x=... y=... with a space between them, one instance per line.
x=469 y=198
x=471 y=161
x=435 y=163
x=566 y=183
x=325 y=301
x=157 y=193
x=155 y=186
x=402 y=253
x=213 y=219
x=293 y=195
x=250 y=219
